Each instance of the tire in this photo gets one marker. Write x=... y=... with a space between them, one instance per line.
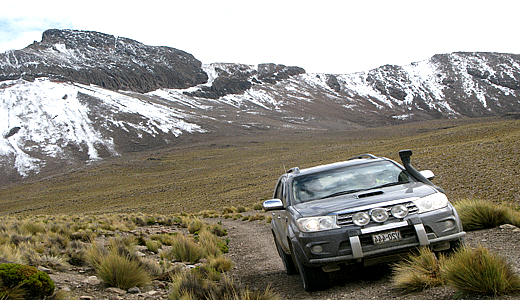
x=457 y=244
x=454 y=246
x=313 y=278
x=287 y=260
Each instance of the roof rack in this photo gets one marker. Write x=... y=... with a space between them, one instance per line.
x=294 y=170
x=366 y=155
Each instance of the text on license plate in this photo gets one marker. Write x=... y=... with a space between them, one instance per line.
x=387 y=236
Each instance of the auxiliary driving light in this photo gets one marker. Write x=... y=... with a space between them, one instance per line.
x=361 y=218
x=399 y=211
x=379 y=215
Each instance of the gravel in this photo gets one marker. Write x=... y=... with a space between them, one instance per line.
x=259 y=266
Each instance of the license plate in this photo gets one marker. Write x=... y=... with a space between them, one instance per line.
x=387 y=236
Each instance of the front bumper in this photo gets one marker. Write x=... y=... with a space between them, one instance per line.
x=353 y=244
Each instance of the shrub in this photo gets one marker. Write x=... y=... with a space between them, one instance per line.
x=153 y=245
x=121 y=271
x=6 y=293
x=481 y=214
x=32 y=227
x=221 y=264
x=420 y=271
x=241 y=209
x=188 y=285
x=258 y=206
x=212 y=244
x=184 y=249
x=480 y=271
x=229 y=210
x=95 y=254
x=256 y=217
x=195 y=225
x=218 y=230
x=34 y=283
x=194 y=285
x=11 y=253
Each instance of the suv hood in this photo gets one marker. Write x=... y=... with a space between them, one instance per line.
x=373 y=196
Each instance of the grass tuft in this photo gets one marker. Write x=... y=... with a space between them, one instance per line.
x=419 y=272
x=196 y=285
x=122 y=271
x=184 y=249
x=478 y=214
x=479 y=271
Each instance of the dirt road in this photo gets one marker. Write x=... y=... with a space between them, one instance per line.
x=258 y=266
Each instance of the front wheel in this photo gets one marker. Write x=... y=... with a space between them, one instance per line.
x=287 y=260
x=313 y=278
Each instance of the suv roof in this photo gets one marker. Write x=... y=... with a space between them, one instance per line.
x=360 y=159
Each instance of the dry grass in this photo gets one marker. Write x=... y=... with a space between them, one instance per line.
x=478 y=214
x=122 y=270
x=418 y=272
x=470 y=271
x=197 y=285
x=479 y=271
x=472 y=159
x=107 y=243
x=184 y=249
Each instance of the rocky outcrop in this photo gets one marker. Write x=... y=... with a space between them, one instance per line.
x=105 y=60
x=237 y=78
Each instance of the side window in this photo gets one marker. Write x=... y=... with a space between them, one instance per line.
x=280 y=191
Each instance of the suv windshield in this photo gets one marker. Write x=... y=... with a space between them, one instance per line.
x=347 y=180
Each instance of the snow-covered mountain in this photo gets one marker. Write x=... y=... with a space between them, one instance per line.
x=80 y=96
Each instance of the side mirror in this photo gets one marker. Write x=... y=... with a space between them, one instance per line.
x=427 y=174
x=273 y=204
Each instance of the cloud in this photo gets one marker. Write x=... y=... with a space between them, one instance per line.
x=17 y=31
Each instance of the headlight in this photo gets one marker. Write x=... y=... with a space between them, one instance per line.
x=431 y=202
x=361 y=218
x=314 y=224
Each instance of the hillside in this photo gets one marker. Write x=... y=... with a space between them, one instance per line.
x=475 y=158
x=78 y=97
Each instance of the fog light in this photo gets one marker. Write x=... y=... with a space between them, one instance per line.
x=448 y=224
x=317 y=249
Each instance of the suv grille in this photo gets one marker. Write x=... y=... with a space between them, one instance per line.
x=346 y=219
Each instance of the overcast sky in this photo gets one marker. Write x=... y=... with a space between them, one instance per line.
x=325 y=36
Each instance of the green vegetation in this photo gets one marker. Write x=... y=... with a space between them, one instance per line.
x=109 y=243
x=472 y=158
x=225 y=177
x=20 y=279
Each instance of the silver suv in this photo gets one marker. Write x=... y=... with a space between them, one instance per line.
x=366 y=210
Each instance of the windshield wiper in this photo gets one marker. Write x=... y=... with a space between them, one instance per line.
x=341 y=193
x=388 y=184
x=360 y=190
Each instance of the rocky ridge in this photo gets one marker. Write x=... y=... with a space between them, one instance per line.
x=108 y=61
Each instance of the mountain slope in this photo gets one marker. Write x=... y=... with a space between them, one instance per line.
x=80 y=96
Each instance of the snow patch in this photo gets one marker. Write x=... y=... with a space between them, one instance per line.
x=51 y=116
